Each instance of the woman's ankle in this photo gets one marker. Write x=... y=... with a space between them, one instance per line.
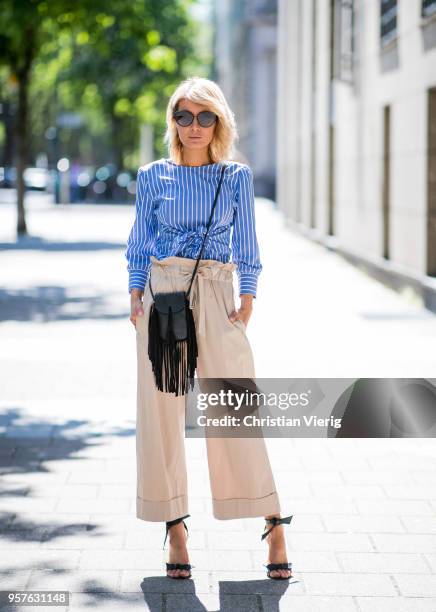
x=177 y=533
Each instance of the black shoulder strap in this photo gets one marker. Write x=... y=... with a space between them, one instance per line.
x=224 y=166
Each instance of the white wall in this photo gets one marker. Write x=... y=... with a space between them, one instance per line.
x=358 y=118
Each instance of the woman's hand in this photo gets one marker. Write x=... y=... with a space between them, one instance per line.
x=136 y=309
x=244 y=312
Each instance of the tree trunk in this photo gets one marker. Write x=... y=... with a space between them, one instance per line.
x=117 y=141
x=8 y=150
x=22 y=70
x=21 y=136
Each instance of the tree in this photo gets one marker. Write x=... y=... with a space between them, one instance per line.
x=132 y=52
x=21 y=26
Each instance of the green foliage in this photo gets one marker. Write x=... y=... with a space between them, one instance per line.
x=114 y=62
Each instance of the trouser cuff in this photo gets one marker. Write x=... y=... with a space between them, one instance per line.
x=246 y=507
x=166 y=510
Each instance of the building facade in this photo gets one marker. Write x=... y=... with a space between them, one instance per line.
x=356 y=132
x=245 y=66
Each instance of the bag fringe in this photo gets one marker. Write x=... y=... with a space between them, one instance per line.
x=174 y=361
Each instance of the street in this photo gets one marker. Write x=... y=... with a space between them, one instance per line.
x=363 y=537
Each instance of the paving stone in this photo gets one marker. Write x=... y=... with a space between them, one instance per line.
x=405 y=543
x=302 y=561
x=377 y=477
x=93 y=505
x=114 y=602
x=156 y=581
x=363 y=524
x=347 y=491
x=254 y=582
x=431 y=559
x=140 y=539
x=289 y=602
x=85 y=539
x=329 y=541
x=363 y=536
x=318 y=507
x=79 y=581
x=98 y=477
x=19 y=504
x=383 y=563
x=348 y=584
x=135 y=559
x=410 y=491
x=394 y=507
x=416 y=585
x=228 y=559
x=419 y=524
x=396 y=604
x=14 y=579
x=38 y=558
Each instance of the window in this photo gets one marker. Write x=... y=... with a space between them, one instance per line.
x=431 y=183
x=344 y=40
x=428 y=8
x=388 y=21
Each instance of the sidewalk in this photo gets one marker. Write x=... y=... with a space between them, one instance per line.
x=363 y=537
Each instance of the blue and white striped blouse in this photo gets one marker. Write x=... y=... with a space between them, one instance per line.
x=173 y=204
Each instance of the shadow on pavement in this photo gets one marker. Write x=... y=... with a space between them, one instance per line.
x=26 y=450
x=233 y=596
x=27 y=446
x=52 y=303
x=34 y=243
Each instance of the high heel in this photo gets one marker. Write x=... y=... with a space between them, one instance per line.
x=277 y=566
x=179 y=566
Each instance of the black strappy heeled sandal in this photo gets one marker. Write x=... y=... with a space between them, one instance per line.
x=179 y=566
x=277 y=566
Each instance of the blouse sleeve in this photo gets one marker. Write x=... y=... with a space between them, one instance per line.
x=245 y=248
x=142 y=234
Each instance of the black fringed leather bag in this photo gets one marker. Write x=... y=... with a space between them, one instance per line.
x=172 y=342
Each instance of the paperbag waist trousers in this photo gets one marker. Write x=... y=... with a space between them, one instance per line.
x=240 y=476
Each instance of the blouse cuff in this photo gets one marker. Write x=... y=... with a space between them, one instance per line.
x=248 y=283
x=137 y=279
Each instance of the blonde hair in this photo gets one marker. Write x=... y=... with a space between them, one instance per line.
x=203 y=91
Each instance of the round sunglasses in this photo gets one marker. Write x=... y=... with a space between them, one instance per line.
x=204 y=118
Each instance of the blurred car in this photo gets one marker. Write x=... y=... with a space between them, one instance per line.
x=7 y=177
x=87 y=183
x=34 y=178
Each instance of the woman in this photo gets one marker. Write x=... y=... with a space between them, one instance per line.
x=173 y=204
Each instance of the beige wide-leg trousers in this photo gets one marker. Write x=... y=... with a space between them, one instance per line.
x=241 y=480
